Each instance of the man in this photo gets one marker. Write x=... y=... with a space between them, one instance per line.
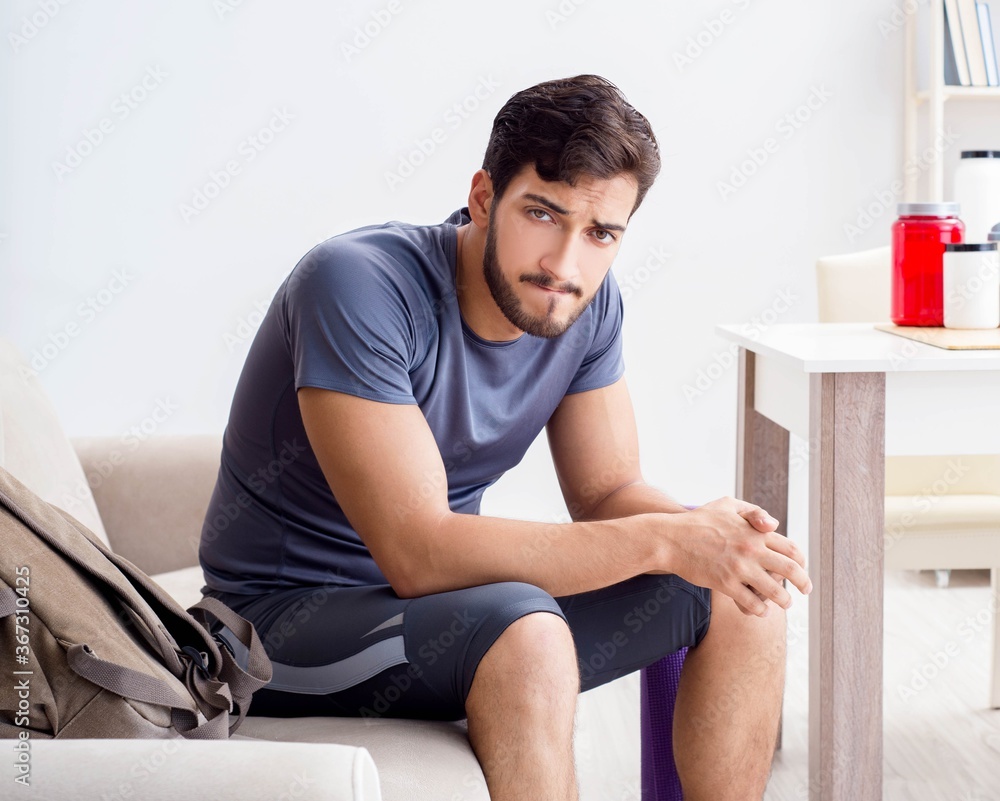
x=398 y=373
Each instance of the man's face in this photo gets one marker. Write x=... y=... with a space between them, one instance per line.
x=550 y=245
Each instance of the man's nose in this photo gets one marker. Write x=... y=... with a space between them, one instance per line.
x=561 y=261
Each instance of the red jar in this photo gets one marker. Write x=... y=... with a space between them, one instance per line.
x=918 y=240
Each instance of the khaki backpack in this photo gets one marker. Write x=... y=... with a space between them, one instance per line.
x=91 y=647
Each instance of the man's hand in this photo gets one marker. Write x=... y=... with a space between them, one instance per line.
x=731 y=546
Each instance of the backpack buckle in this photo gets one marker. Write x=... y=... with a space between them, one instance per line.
x=200 y=659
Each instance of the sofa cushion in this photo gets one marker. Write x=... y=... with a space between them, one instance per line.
x=415 y=759
x=33 y=446
x=178 y=770
x=183 y=585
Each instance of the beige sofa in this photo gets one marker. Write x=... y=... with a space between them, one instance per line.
x=146 y=496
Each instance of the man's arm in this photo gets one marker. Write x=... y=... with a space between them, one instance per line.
x=725 y=544
x=384 y=468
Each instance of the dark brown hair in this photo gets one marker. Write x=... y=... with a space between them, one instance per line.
x=572 y=128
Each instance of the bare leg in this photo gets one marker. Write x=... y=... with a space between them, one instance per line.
x=521 y=709
x=729 y=703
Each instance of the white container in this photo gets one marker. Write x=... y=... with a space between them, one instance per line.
x=977 y=189
x=971 y=285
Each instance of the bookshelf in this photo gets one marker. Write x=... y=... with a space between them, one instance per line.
x=935 y=96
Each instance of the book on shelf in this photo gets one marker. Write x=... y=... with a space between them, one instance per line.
x=989 y=45
x=956 y=64
x=969 y=19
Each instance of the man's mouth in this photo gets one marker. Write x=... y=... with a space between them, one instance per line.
x=551 y=287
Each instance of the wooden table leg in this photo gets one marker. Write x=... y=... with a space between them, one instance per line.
x=761 y=456
x=846 y=520
x=762 y=451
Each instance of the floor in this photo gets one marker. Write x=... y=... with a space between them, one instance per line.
x=942 y=742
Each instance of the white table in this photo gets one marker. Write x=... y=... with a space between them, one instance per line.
x=854 y=394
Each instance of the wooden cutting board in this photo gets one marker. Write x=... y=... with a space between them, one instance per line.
x=947 y=338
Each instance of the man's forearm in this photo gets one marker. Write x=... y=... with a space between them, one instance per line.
x=634 y=499
x=561 y=558
x=625 y=535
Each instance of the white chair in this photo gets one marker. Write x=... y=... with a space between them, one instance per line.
x=941 y=512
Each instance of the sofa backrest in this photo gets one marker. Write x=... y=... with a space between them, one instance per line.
x=33 y=446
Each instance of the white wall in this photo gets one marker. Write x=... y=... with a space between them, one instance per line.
x=176 y=332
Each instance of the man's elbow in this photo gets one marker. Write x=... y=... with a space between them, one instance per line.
x=413 y=566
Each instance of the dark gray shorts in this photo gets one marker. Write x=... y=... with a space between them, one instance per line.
x=363 y=651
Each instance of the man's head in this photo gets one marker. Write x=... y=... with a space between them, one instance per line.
x=567 y=165
x=571 y=128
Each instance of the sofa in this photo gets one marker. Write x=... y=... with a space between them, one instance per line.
x=145 y=494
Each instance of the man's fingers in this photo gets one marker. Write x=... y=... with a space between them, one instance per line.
x=787 y=568
x=768 y=588
x=756 y=517
x=785 y=546
x=749 y=602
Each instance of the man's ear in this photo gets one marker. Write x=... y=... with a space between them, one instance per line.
x=481 y=198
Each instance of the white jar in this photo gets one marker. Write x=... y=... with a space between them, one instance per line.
x=977 y=189
x=971 y=285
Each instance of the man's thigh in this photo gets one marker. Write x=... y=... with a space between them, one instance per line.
x=630 y=625
x=363 y=651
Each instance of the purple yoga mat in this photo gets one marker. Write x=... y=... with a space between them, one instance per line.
x=658 y=689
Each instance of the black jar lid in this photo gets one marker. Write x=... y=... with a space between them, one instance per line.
x=981 y=154
x=966 y=247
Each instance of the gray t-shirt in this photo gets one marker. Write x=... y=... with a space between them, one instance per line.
x=374 y=313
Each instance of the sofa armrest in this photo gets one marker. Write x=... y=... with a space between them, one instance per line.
x=152 y=497
x=165 y=770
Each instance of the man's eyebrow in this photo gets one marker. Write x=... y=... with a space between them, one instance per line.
x=544 y=201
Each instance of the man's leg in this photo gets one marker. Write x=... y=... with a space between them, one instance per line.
x=729 y=703
x=521 y=709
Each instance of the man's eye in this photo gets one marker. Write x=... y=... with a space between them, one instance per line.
x=602 y=235
x=540 y=214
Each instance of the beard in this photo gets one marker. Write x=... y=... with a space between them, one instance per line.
x=545 y=326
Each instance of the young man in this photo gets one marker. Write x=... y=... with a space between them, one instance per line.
x=398 y=373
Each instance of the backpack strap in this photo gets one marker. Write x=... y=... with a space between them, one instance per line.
x=242 y=682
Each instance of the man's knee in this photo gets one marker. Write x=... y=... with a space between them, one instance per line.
x=537 y=647
x=764 y=635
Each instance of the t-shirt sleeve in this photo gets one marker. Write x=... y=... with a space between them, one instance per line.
x=349 y=323
x=603 y=363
